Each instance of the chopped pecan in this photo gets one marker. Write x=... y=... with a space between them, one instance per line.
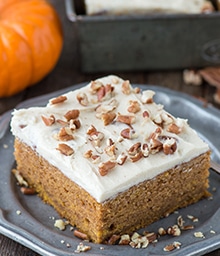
x=125 y=240
x=158 y=119
x=95 y=86
x=21 y=181
x=171 y=247
x=121 y=158
x=127 y=133
x=126 y=119
x=101 y=93
x=110 y=142
x=156 y=133
x=167 y=118
x=28 y=191
x=138 y=241
x=192 y=77
x=137 y=90
x=74 y=124
x=72 y=114
x=169 y=146
x=146 y=114
x=145 y=150
x=174 y=230
x=65 y=134
x=111 y=150
x=136 y=157
x=174 y=128
x=155 y=146
x=105 y=167
x=96 y=138
x=180 y=221
x=193 y=218
x=95 y=159
x=65 y=149
x=80 y=234
x=109 y=89
x=134 y=149
x=82 y=248
x=113 y=239
x=147 y=96
x=126 y=87
x=104 y=92
x=108 y=118
x=88 y=154
x=199 y=234
x=59 y=99
x=187 y=227
x=82 y=99
x=48 y=120
x=152 y=237
x=134 y=106
x=91 y=130
x=162 y=231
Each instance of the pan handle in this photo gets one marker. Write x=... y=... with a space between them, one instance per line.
x=70 y=10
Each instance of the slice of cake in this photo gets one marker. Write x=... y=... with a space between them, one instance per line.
x=109 y=159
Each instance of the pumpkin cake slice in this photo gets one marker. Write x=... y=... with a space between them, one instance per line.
x=109 y=159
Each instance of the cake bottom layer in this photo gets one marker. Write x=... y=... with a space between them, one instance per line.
x=135 y=208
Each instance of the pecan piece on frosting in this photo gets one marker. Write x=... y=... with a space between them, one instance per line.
x=121 y=158
x=48 y=120
x=134 y=106
x=126 y=119
x=74 y=124
x=169 y=146
x=95 y=86
x=65 y=134
x=59 y=99
x=135 y=152
x=155 y=146
x=91 y=130
x=147 y=97
x=72 y=114
x=105 y=167
x=108 y=118
x=145 y=114
x=174 y=128
x=127 y=133
x=126 y=87
x=82 y=99
x=136 y=157
x=104 y=92
x=134 y=149
x=65 y=149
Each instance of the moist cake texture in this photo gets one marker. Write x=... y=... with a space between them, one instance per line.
x=109 y=159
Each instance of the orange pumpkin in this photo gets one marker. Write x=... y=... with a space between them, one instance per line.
x=31 y=41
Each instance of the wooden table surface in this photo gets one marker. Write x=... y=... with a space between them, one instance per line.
x=67 y=72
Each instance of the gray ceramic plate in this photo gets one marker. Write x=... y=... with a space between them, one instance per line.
x=34 y=227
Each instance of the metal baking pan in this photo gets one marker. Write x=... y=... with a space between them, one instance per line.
x=146 y=42
x=34 y=227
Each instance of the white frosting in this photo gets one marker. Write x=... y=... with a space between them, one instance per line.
x=145 y=6
x=28 y=126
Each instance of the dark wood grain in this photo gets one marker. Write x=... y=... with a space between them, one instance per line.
x=67 y=72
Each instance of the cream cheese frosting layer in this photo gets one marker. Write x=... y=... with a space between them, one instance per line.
x=147 y=6
x=107 y=136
